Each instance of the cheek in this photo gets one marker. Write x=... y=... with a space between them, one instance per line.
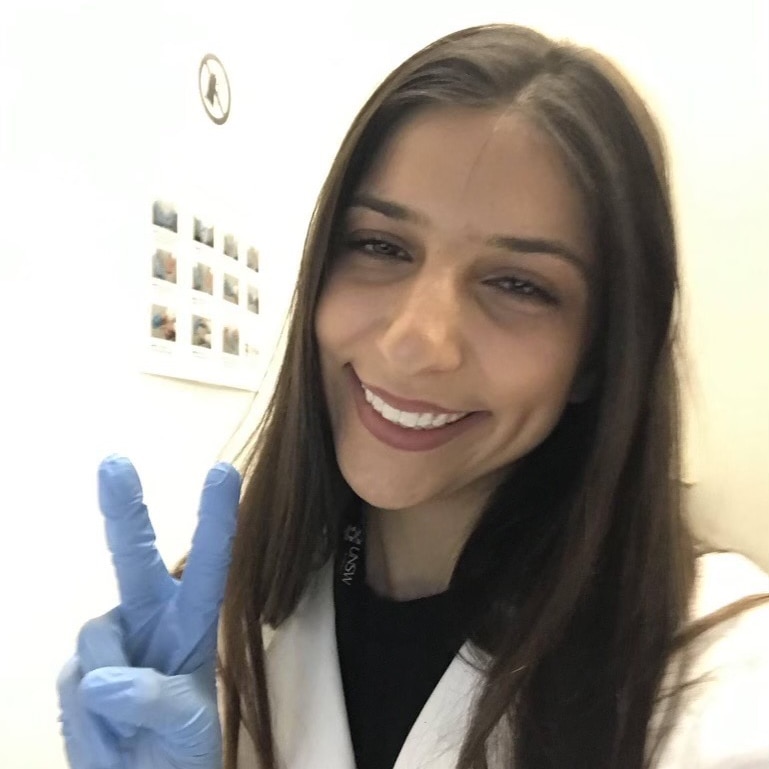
x=341 y=316
x=329 y=339
x=534 y=371
x=330 y=328
x=342 y=320
x=325 y=332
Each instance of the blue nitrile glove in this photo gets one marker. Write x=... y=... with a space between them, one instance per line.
x=140 y=692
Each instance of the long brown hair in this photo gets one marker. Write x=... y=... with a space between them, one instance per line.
x=582 y=555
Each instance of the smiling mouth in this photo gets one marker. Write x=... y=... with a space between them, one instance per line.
x=412 y=420
x=420 y=426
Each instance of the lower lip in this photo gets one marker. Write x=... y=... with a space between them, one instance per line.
x=404 y=438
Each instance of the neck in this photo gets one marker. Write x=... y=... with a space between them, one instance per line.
x=411 y=553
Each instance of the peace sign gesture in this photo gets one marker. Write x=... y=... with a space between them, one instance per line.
x=140 y=693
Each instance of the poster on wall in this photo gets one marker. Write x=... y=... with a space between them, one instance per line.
x=202 y=321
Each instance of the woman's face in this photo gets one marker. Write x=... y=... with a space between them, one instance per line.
x=456 y=311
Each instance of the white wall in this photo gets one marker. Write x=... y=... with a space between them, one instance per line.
x=99 y=113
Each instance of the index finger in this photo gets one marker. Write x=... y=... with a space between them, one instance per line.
x=142 y=577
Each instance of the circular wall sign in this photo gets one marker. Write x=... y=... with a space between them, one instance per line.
x=214 y=86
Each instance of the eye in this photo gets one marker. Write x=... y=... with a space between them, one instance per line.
x=524 y=289
x=377 y=248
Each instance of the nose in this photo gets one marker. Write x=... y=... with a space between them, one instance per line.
x=424 y=332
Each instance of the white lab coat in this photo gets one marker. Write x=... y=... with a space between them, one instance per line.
x=725 y=723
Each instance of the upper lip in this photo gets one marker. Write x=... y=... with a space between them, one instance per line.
x=406 y=404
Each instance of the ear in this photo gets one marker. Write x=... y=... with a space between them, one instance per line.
x=583 y=386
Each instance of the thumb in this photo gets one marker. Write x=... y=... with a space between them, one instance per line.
x=100 y=643
x=180 y=708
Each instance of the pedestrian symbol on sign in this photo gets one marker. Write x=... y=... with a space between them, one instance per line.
x=214 y=87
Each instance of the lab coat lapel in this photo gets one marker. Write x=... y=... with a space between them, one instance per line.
x=305 y=683
x=435 y=739
x=307 y=699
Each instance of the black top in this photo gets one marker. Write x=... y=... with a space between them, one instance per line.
x=392 y=655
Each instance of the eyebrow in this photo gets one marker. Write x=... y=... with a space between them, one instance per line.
x=512 y=243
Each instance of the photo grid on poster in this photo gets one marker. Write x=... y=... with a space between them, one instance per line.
x=203 y=319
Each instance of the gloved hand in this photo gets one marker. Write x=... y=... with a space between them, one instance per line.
x=141 y=692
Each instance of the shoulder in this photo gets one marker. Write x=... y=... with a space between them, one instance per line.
x=722 y=724
x=723 y=578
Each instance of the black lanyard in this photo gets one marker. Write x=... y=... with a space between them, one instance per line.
x=351 y=560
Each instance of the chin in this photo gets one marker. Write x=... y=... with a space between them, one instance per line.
x=382 y=494
x=384 y=499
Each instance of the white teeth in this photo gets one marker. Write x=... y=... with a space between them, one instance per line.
x=390 y=414
x=425 y=420
x=409 y=419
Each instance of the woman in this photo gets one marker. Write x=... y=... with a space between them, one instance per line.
x=460 y=542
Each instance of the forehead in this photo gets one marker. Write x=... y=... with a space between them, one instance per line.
x=476 y=172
